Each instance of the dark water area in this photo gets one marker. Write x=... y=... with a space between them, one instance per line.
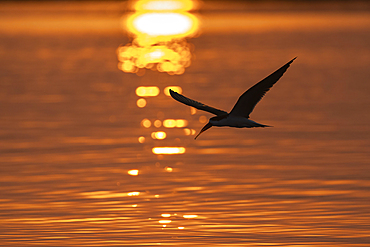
x=69 y=129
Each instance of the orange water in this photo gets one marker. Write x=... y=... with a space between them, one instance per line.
x=69 y=129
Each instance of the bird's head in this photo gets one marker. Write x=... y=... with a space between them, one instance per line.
x=207 y=126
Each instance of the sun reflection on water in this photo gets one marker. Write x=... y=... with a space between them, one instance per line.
x=133 y=172
x=160 y=135
x=141 y=103
x=168 y=150
x=190 y=216
x=146 y=123
x=141 y=139
x=164 y=221
x=161 y=25
x=147 y=91
x=168 y=169
x=159 y=29
x=72 y=175
x=172 y=123
x=161 y=5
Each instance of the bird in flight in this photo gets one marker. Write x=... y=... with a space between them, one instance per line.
x=239 y=115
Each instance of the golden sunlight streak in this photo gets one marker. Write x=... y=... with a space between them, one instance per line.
x=108 y=194
x=190 y=216
x=169 y=123
x=164 y=221
x=168 y=150
x=135 y=193
x=133 y=172
x=147 y=91
x=181 y=123
x=159 y=29
x=172 y=123
x=160 y=135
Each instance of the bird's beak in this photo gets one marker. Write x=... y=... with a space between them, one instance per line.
x=207 y=126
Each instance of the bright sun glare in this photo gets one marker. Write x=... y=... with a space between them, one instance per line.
x=164 y=5
x=159 y=29
x=169 y=25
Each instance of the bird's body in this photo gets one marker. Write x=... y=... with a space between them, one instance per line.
x=239 y=115
x=234 y=121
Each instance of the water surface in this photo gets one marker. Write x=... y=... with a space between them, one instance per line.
x=69 y=129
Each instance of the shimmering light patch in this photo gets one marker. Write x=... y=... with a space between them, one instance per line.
x=180 y=227
x=156 y=196
x=134 y=205
x=146 y=123
x=187 y=131
x=147 y=91
x=135 y=193
x=164 y=221
x=169 y=123
x=159 y=29
x=156 y=54
x=128 y=66
x=174 y=88
x=193 y=131
x=133 y=172
x=141 y=103
x=181 y=123
x=167 y=25
x=193 y=110
x=203 y=119
x=164 y=5
x=166 y=215
x=172 y=59
x=172 y=123
x=168 y=169
x=189 y=216
x=160 y=135
x=141 y=139
x=168 y=150
x=106 y=194
x=157 y=123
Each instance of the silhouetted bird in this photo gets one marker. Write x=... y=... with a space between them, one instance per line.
x=239 y=115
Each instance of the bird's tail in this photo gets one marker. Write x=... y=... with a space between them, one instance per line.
x=253 y=124
x=264 y=125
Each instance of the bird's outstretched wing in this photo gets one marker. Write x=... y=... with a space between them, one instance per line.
x=196 y=104
x=248 y=100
